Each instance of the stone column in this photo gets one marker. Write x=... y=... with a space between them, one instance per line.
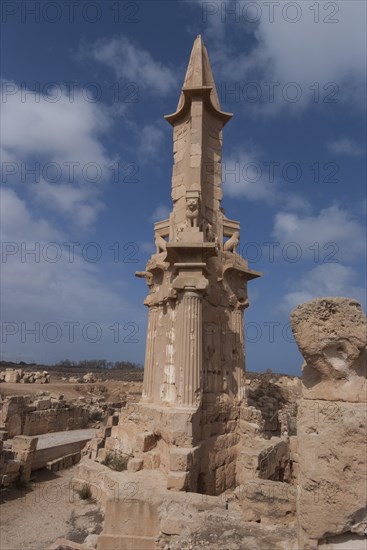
x=169 y=390
x=190 y=346
x=147 y=394
x=238 y=329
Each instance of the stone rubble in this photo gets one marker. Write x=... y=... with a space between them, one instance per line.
x=20 y=376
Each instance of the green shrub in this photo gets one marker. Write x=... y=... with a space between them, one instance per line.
x=95 y=416
x=85 y=492
x=116 y=461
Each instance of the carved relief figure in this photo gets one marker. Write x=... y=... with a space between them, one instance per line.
x=192 y=211
x=207 y=229
x=160 y=243
x=232 y=243
x=180 y=228
x=237 y=289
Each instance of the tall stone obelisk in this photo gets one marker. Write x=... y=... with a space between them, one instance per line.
x=194 y=365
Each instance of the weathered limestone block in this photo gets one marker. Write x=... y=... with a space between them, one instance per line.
x=135 y=464
x=43 y=403
x=123 y=438
x=274 y=461
x=331 y=334
x=113 y=420
x=181 y=459
x=267 y=502
x=332 y=467
x=89 y=378
x=12 y=467
x=145 y=441
x=265 y=459
x=25 y=448
x=178 y=481
x=12 y=414
x=331 y=424
x=12 y=376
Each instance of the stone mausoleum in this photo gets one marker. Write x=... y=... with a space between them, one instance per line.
x=195 y=359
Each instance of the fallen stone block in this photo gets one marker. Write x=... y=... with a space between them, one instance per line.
x=12 y=467
x=180 y=459
x=135 y=464
x=145 y=441
x=177 y=481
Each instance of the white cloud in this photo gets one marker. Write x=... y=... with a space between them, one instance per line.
x=335 y=233
x=324 y=280
x=244 y=174
x=66 y=130
x=312 y=51
x=345 y=146
x=18 y=224
x=61 y=141
x=131 y=63
x=78 y=204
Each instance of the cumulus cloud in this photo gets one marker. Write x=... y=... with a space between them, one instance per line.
x=345 y=146
x=131 y=63
x=18 y=222
x=65 y=130
x=245 y=174
x=293 y=42
x=332 y=234
x=324 y=280
x=55 y=148
x=80 y=205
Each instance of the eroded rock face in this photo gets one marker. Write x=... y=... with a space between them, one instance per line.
x=331 y=334
x=332 y=469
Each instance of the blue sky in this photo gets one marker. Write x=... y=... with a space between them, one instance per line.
x=87 y=160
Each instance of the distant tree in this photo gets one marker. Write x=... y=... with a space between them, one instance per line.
x=66 y=363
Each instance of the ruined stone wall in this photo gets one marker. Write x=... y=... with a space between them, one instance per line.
x=19 y=415
x=16 y=458
x=276 y=397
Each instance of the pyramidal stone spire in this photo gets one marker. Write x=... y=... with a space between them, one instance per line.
x=199 y=73
x=197 y=171
x=195 y=355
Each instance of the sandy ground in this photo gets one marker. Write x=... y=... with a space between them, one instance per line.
x=33 y=518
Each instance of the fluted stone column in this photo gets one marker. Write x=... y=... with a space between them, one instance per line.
x=238 y=327
x=169 y=391
x=147 y=393
x=190 y=346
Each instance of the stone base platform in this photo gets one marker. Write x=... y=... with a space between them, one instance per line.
x=196 y=448
x=142 y=514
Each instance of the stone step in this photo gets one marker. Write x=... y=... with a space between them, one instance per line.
x=267 y=459
x=63 y=462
